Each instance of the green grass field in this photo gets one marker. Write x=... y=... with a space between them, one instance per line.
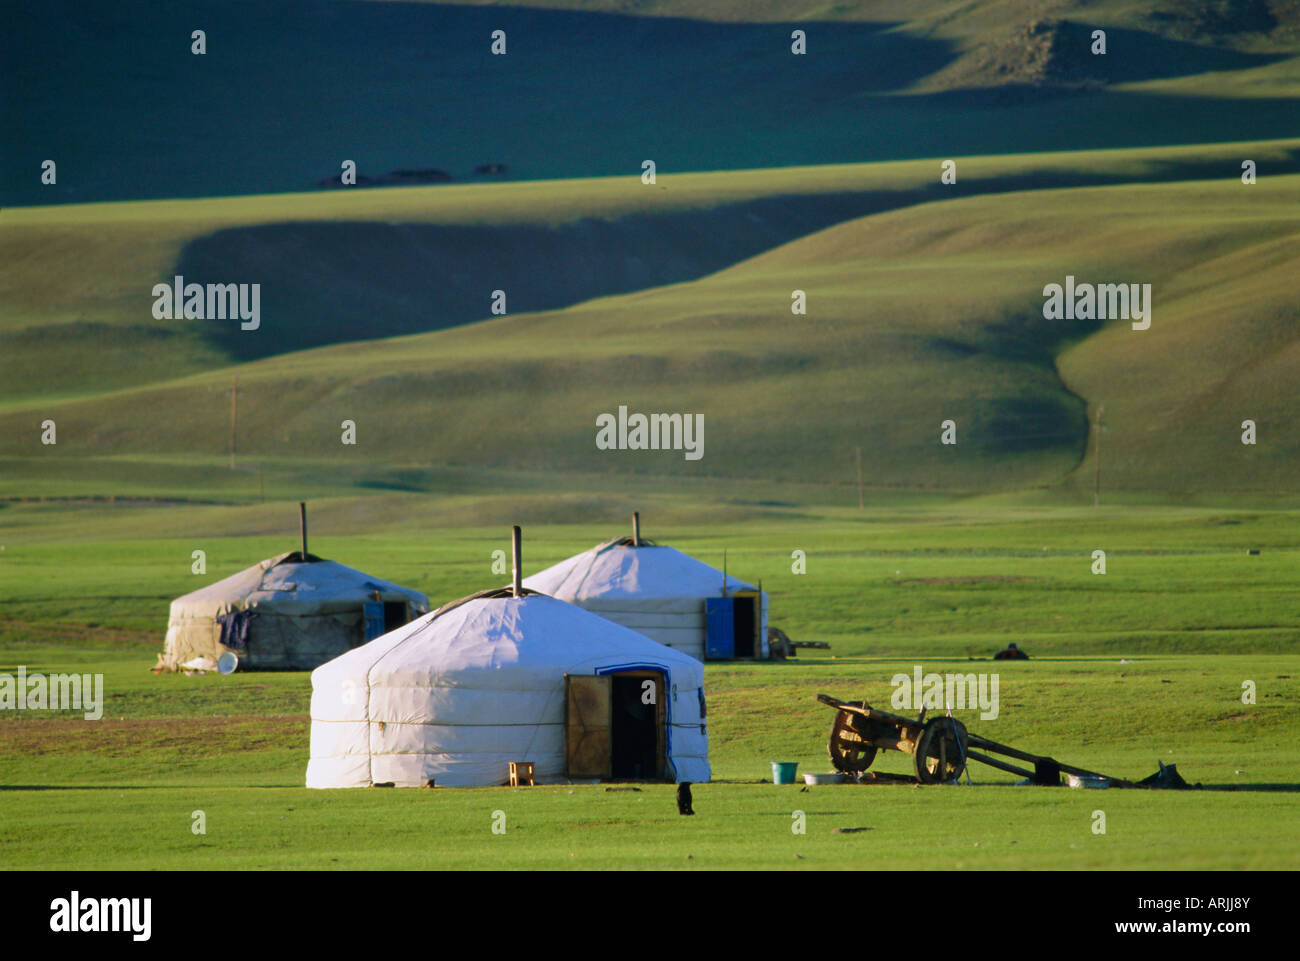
x=1143 y=663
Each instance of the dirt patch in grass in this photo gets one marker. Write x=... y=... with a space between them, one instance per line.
x=990 y=579
x=195 y=737
x=126 y=500
x=48 y=631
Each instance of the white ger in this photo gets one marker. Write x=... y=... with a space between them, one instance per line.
x=291 y=612
x=664 y=594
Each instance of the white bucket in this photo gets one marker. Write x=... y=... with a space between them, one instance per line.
x=834 y=777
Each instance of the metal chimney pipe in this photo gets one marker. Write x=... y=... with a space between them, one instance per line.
x=636 y=528
x=516 y=550
x=302 y=527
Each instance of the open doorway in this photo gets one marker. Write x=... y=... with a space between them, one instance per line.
x=379 y=617
x=615 y=726
x=635 y=727
x=732 y=625
x=746 y=625
x=394 y=615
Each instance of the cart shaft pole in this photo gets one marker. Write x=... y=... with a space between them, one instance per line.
x=994 y=762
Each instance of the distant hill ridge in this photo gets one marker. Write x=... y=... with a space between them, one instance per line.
x=406 y=90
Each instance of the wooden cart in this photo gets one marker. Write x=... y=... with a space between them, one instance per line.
x=940 y=747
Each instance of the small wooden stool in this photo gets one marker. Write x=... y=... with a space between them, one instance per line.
x=521 y=771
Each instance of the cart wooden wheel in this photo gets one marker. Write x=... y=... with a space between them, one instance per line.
x=850 y=753
x=940 y=751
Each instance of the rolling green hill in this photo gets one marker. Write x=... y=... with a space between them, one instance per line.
x=77 y=280
x=915 y=316
x=924 y=298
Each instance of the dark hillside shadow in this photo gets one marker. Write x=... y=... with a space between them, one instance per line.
x=289 y=90
x=329 y=282
x=1136 y=55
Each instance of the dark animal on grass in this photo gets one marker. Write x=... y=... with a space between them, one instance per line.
x=684 y=798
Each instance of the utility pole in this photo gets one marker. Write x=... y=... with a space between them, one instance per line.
x=859 y=451
x=1096 y=488
x=234 y=392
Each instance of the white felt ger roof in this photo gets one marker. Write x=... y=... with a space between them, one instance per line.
x=291 y=587
x=646 y=572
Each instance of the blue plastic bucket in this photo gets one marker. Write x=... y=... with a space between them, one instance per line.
x=783 y=771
